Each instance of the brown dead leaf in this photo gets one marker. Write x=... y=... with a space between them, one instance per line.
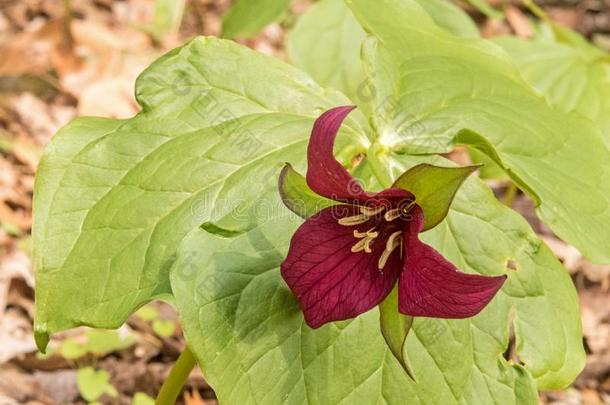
x=41 y=120
x=595 y=312
x=590 y=397
x=109 y=97
x=574 y=262
x=101 y=39
x=568 y=17
x=519 y=22
x=493 y=27
x=15 y=265
x=30 y=52
x=16 y=335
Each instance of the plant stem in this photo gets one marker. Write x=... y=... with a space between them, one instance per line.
x=509 y=195
x=176 y=379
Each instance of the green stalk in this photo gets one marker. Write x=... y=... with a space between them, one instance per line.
x=172 y=386
x=510 y=194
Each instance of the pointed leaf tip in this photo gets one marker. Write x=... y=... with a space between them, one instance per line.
x=395 y=328
x=41 y=337
x=297 y=196
x=434 y=188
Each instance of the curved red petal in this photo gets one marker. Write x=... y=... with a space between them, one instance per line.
x=330 y=281
x=325 y=175
x=433 y=287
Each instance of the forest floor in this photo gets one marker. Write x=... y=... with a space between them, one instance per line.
x=54 y=68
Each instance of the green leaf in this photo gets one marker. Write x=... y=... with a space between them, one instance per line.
x=395 y=328
x=243 y=323
x=450 y=17
x=434 y=188
x=167 y=17
x=489 y=169
x=119 y=204
x=114 y=198
x=432 y=86
x=571 y=77
x=93 y=384
x=141 y=398
x=97 y=342
x=297 y=196
x=72 y=349
x=326 y=43
x=105 y=341
x=247 y=17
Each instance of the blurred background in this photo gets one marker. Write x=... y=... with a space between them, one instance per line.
x=60 y=59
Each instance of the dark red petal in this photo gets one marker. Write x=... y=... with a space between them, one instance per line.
x=331 y=282
x=325 y=175
x=433 y=287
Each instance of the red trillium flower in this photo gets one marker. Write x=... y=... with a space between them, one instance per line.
x=346 y=259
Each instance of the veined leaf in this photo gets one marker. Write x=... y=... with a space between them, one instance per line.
x=248 y=332
x=113 y=199
x=432 y=86
x=326 y=43
x=120 y=203
x=570 y=77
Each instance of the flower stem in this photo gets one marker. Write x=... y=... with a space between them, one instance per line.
x=176 y=379
x=509 y=195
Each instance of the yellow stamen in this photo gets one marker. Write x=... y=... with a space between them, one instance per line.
x=359 y=246
x=393 y=214
x=394 y=241
x=365 y=234
x=371 y=211
x=366 y=238
x=366 y=213
x=354 y=220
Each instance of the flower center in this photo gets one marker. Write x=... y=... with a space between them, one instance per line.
x=365 y=239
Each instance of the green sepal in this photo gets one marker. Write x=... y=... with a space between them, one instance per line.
x=434 y=188
x=395 y=328
x=297 y=196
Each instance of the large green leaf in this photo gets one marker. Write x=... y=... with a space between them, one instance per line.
x=571 y=77
x=114 y=199
x=254 y=347
x=435 y=89
x=118 y=209
x=326 y=43
x=247 y=17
